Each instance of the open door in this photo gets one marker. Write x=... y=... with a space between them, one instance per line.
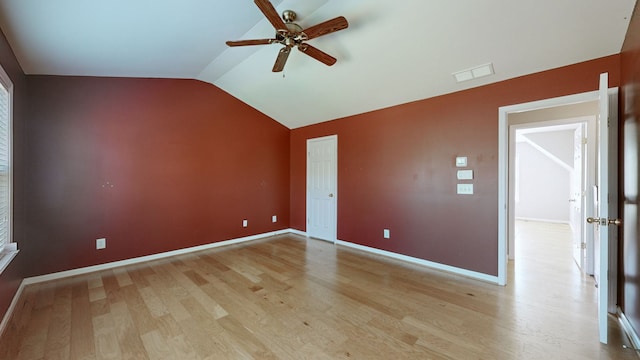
x=603 y=201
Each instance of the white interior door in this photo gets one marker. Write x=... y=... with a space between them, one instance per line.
x=576 y=202
x=601 y=236
x=322 y=194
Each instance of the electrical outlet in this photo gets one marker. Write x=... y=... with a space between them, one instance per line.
x=386 y=234
x=101 y=243
x=274 y=218
x=244 y=223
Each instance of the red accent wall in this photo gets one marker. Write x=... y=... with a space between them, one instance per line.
x=153 y=165
x=630 y=115
x=396 y=167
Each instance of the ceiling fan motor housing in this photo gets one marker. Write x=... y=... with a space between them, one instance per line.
x=289 y=16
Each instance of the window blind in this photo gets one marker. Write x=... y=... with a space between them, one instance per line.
x=5 y=167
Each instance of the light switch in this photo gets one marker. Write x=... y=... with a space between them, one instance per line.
x=465 y=189
x=461 y=161
x=465 y=174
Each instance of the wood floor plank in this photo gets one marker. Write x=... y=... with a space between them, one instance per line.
x=81 y=340
x=209 y=336
x=140 y=313
x=167 y=296
x=157 y=347
x=35 y=336
x=247 y=339
x=138 y=275
x=111 y=287
x=106 y=338
x=288 y=297
x=153 y=302
x=57 y=345
x=127 y=334
x=168 y=327
x=122 y=276
x=182 y=349
x=195 y=291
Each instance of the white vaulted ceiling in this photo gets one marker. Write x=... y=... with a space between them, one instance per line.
x=393 y=51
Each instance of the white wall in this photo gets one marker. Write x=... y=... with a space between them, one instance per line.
x=542 y=182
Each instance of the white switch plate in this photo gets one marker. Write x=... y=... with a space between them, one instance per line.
x=461 y=161
x=386 y=234
x=101 y=243
x=274 y=218
x=465 y=189
x=465 y=174
x=244 y=223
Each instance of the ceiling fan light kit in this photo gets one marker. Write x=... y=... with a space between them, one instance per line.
x=290 y=35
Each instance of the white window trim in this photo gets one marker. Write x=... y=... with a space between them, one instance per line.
x=9 y=252
x=10 y=249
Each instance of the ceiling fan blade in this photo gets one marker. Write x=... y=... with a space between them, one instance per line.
x=317 y=54
x=271 y=14
x=281 y=59
x=250 y=42
x=326 y=27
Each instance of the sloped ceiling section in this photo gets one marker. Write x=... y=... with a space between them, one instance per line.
x=393 y=51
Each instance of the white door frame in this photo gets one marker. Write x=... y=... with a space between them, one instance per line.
x=578 y=193
x=505 y=219
x=333 y=222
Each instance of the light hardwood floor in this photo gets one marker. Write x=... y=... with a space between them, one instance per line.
x=287 y=297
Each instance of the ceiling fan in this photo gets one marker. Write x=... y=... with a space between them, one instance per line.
x=292 y=35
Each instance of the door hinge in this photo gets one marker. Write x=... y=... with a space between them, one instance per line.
x=584 y=141
x=583 y=246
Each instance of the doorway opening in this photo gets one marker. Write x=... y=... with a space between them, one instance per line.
x=553 y=157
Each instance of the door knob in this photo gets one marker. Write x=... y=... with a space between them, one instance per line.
x=616 y=222
x=604 y=222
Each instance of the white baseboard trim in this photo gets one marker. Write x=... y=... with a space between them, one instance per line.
x=628 y=329
x=543 y=220
x=11 y=309
x=414 y=260
x=427 y=263
x=298 y=232
x=111 y=265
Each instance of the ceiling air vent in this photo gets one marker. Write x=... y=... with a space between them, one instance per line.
x=474 y=73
